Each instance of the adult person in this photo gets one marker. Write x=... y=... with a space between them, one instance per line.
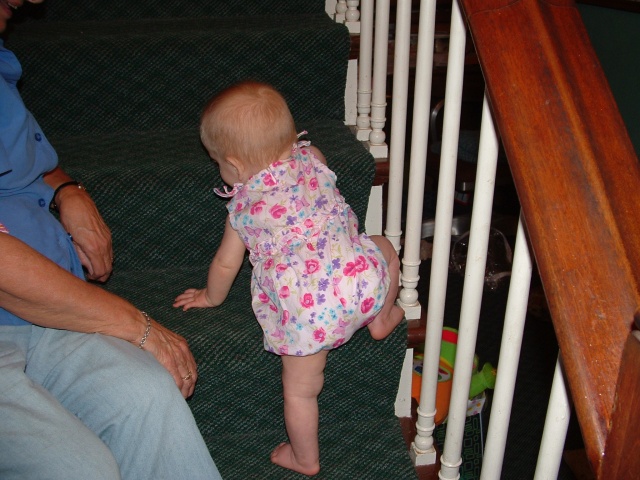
x=90 y=387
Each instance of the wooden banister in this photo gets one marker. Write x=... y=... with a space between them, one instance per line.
x=577 y=178
x=621 y=458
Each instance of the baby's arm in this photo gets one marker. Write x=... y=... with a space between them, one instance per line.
x=222 y=272
x=318 y=154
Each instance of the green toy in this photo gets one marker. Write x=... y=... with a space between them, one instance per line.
x=480 y=380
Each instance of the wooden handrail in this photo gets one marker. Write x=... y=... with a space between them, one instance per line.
x=621 y=458
x=577 y=178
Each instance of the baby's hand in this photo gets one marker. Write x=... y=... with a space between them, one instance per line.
x=192 y=298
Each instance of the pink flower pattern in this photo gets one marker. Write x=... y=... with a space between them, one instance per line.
x=284 y=292
x=307 y=300
x=319 y=335
x=312 y=266
x=315 y=280
x=257 y=207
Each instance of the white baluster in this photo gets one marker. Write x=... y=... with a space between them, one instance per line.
x=442 y=235
x=471 y=296
x=555 y=428
x=424 y=66
x=393 y=230
x=377 y=145
x=352 y=16
x=340 y=10
x=345 y=12
x=515 y=315
x=363 y=123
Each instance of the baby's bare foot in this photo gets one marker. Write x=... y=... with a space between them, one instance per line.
x=283 y=455
x=397 y=315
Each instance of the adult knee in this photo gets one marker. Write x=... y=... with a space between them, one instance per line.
x=69 y=459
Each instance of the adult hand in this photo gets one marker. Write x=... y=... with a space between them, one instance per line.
x=172 y=351
x=91 y=236
x=57 y=299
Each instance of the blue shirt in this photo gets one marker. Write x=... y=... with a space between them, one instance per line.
x=25 y=156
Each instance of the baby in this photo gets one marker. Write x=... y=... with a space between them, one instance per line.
x=315 y=279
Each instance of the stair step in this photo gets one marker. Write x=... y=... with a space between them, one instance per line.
x=80 y=10
x=140 y=179
x=129 y=76
x=238 y=401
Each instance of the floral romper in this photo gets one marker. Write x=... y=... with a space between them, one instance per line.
x=315 y=280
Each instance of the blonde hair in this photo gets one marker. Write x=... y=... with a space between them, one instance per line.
x=250 y=121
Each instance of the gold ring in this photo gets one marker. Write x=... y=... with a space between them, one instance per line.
x=188 y=376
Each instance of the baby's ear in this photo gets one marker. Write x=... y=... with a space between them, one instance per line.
x=238 y=165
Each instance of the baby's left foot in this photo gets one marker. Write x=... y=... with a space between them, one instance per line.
x=283 y=455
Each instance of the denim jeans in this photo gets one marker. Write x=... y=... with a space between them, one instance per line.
x=78 y=406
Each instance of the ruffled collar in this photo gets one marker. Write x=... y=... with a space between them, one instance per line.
x=226 y=192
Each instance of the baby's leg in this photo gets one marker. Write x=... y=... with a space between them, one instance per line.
x=391 y=314
x=302 y=381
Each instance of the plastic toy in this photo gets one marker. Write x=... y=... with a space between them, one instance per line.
x=481 y=380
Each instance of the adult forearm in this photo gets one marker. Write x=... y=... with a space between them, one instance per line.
x=80 y=217
x=56 y=177
x=39 y=291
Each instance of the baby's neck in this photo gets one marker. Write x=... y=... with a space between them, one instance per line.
x=250 y=172
x=285 y=155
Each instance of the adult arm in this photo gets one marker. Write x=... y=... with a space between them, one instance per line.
x=80 y=217
x=39 y=291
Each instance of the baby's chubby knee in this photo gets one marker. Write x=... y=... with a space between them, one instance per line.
x=386 y=247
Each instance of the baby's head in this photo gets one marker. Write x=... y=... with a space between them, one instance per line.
x=249 y=122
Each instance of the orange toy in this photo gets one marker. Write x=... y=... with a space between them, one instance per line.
x=480 y=381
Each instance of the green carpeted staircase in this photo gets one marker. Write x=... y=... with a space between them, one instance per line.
x=118 y=88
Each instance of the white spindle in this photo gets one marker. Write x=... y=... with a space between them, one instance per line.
x=515 y=315
x=471 y=296
x=424 y=66
x=365 y=60
x=352 y=16
x=393 y=229
x=555 y=428
x=442 y=234
x=339 y=11
x=345 y=12
x=377 y=145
